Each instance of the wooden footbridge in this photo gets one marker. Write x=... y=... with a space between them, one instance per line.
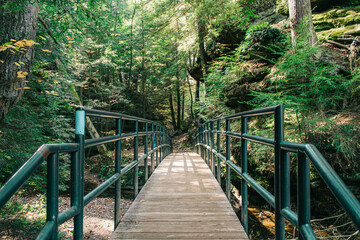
x=182 y=197
x=181 y=200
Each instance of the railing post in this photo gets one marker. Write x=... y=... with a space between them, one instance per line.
x=156 y=145
x=52 y=206
x=218 y=170
x=117 y=210
x=152 y=142
x=78 y=197
x=212 y=147
x=197 y=141
x=136 y=156
x=279 y=137
x=303 y=194
x=160 y=143
x=284 y=180
x=145 y=152
x=206 y=143
x=202 y=142
x=228 y=169
x=244 y=187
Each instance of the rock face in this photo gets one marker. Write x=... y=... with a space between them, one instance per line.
x=251 y=76
x=338 y=21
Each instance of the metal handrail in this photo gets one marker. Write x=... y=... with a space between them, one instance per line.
x=161 y=146
x=211 y=152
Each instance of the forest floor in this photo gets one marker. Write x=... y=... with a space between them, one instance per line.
x=182 y=143
x=98 y=218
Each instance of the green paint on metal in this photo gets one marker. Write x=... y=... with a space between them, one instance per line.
x=80 y=122
x=281 y=199
x=161 y=143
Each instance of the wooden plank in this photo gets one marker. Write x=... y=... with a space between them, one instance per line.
x=181 y=200
x=188 y=235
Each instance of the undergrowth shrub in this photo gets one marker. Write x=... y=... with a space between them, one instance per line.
x=314 y=92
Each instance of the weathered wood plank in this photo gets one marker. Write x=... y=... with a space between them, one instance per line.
x=181 y=200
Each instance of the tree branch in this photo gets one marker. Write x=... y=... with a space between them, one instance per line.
x=337 y=44
x=48 y=29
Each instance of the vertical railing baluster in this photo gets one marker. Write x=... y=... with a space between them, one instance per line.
x=284 y=180
x=218 y=170
x=136 y=168
x=145 y=152
x=206 y=143
x=52 y=203
x=79 y=187
x=244 y=187
x=279 y=137
x=202 y=141
x=156 y=145
x=212 y=147
x=303 y=195
x=197 y=141
x=160 y=143
x=117 y=210
x=152 y=147
x=228 y=169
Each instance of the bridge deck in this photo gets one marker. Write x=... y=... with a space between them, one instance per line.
x=181 y=200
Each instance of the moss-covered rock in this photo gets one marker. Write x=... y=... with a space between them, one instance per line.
x=338 y=17
x=339 y=21
x=333 y=33
x=250 y=76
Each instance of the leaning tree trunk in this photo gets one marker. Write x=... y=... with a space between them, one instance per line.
x=201 y=35
x=19 y=28
x=300 y=15
x=178 y=99
x=172 y=110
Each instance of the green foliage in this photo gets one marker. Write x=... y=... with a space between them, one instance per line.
x=264 y=33
x=29 y=216
x=313 y=91
x=264 y=42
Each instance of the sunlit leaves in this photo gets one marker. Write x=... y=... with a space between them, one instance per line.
x=46 y=50
x=17 y=45
x=21 y=74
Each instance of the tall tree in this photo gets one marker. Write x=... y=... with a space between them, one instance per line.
x=301 y=20
x=172 y=110
x=19 y=26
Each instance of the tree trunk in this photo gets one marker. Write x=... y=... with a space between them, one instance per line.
x=172 y=110
x=191 y=98
x=89 y=125
x=15 y=65
x=183 y=106
x=178 y=98
x=301 y=21
x=131 y=46
x=201 y=35
x=197 y=91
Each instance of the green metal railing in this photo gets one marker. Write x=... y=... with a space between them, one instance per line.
x=161 y=146
x=280 y=201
